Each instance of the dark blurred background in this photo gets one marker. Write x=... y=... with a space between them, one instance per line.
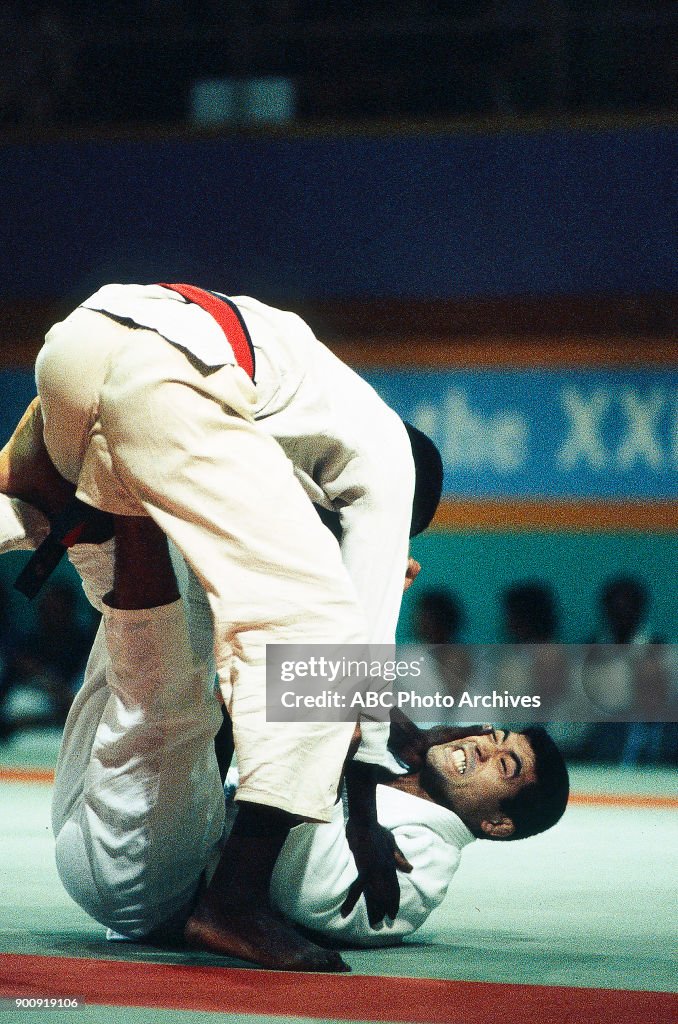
x=78 y=63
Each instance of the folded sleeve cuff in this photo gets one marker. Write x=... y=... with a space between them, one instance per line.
x=22 y=527
x=94 y=565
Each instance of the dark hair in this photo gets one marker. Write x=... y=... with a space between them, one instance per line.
x=428 y=486
x=626 y=587
x=443 y=607
x=539 y=805
x=533 y=606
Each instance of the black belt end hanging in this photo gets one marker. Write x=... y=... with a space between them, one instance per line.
x=77 y=523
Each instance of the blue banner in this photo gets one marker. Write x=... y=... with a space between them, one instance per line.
x=585 y=434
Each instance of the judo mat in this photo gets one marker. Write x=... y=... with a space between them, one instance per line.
x=578 y=925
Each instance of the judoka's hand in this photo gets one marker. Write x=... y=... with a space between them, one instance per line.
x=377 y=857
x=411 y=743
x=411 y=573
x=378 y=860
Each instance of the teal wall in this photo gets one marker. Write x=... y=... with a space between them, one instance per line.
x=478 y=566
x=21 y=610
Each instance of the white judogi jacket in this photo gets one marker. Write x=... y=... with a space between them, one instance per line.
x=350 y=451
x=316 y=868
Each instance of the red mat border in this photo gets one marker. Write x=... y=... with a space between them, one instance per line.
x=341 y=997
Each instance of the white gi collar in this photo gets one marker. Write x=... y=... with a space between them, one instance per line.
x=406 y=809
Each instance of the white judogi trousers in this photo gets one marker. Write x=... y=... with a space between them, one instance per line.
x=138 y=806
x=144 y=429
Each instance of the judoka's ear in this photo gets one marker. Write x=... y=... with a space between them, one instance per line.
x=498 y=827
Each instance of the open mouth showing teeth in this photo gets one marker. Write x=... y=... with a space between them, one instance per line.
x=459 y=759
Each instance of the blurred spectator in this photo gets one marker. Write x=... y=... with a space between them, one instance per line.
x=529 y=614
x=626 y=674
x=447 y=666
x=532 y=662
x=45 y=667
x=437 y=617
x=624 y=603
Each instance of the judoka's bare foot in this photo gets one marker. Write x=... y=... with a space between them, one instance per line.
x=26 y=470
x=255 y=932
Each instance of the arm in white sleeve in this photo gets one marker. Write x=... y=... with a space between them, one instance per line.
x=375 y=547
x=374 y=494
x=350 y=452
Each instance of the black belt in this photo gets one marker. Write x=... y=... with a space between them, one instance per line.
x=76 y=524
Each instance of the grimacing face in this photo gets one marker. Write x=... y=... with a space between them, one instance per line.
x=473 y=775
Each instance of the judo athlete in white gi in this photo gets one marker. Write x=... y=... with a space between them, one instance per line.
x=149 y=409
x=139 y=809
